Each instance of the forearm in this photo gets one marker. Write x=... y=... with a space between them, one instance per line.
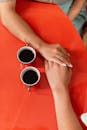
x=66 y=118
x=75 y=8
x=16 y=25
x=47 y=1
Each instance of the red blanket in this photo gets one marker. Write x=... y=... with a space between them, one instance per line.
x=20 y=110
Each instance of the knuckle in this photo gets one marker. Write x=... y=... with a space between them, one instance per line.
x=61 y=55
x=56 y=50
x=58 y=45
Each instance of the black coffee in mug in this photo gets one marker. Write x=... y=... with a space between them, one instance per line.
x=30 y=76
x=26 y=54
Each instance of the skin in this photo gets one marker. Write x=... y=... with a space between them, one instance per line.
x=24 y=32
x=57 y=75
x=75 y=9
x=74 y=12
x=59 y=79
x=18 y=27
x=84 y=29
x=85 y=39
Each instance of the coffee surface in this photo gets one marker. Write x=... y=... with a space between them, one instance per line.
x=26 y=55
x=30 y=77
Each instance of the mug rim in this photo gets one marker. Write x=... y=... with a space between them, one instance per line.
x=29 y=48
x=30 y=68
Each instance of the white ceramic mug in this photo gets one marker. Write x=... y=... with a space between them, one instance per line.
x=84 y=118
x=26 y=48
x=26 y=70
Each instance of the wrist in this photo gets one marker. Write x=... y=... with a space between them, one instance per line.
x=42 y=47
x=36 y=42
x=61 y=96
x=41 y=44
x=60 y=90
x=37 y=45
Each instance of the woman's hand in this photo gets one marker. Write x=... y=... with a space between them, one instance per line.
x=55 y=53
x=57 y=75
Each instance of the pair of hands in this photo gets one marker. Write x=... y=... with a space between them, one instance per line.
x=57 y=66
x=58 y=76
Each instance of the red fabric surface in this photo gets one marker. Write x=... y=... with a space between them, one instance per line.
x=19 y=109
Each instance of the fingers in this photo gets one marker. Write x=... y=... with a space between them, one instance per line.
x=62 y=55
x=66 y=70
x=70 y=70
x=63 y=50
x=50 y=64
x=59 y=55
x=46 y=65
x=58 y=61
x=64 y=60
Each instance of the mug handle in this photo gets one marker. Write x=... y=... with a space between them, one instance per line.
x=29 y=89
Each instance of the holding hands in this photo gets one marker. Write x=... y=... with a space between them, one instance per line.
x=57 y=75
x=55 y=53
x=58 y=68
x=59 y=78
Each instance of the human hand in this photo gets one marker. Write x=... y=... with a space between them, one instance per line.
x=84 y=33
x=57 y=75
x=55 y=53
x=85 y=39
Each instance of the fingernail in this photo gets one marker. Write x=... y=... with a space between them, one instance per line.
x=70 y=65
x=64 y=65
